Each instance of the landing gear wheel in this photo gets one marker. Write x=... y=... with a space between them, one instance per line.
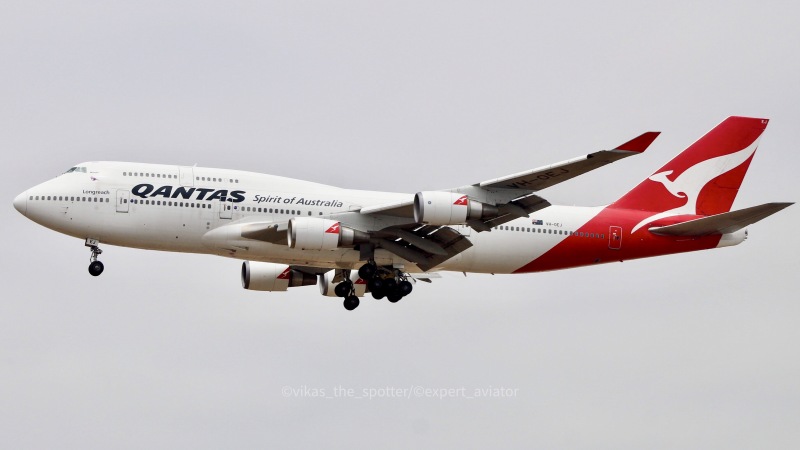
x=343 y=289
x=351 y=302
x=389 y=284
x=367 y=271
x=375 y=285
x=96 y=268
x=377 y=295
x=404 y=288
x=394 y=297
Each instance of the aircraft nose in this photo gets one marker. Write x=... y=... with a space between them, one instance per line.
x=21 y=203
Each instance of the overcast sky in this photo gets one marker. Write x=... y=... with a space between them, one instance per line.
x=168 y=351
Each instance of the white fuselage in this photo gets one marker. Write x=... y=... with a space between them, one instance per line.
x=171 y=208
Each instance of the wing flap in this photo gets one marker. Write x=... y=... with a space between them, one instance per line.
x=440 y=244
x=724 y=223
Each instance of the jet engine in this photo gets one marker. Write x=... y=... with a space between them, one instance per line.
x=449 y=208
x=263 y=276
x=312 y=233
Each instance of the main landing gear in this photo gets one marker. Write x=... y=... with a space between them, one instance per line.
x=95 y=267
x=347 y=290
x=381 y=282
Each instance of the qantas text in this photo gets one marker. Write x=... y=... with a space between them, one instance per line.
x=223 y=195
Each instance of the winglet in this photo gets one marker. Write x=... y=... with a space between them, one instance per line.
x=639 y=144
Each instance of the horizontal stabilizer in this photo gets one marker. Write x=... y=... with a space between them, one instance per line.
x=724 y=223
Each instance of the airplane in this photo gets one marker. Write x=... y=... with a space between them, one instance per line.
x=293 y=233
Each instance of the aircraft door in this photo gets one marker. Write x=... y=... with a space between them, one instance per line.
x=225 y=210
x=615 y=238
x=123 y=200
x=187 y=176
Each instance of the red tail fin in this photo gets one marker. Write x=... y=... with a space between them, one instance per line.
x=703 y=179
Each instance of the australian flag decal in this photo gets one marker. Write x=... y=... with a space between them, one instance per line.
x=537 y=222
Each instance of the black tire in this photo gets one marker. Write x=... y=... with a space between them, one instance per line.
x=351 y=303
x=96 y=268
x=389 y=284
x=377 y=295
x=343 y=289
x=367 y=271
x=405 y=287
x=375 y=285
x=394 y=297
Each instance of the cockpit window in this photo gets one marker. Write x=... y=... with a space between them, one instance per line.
x=77 y=169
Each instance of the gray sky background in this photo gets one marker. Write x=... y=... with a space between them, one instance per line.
x=168 y=351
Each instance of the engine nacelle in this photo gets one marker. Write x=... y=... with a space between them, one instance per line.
x=326 y=284
x=263 y=276
x=449 y=208
x=312 y=233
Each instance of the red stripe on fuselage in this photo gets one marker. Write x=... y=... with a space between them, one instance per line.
x=576 y=251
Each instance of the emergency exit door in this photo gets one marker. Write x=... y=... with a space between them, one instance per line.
x=123 y=200
x=615 y=238
x=225 y=210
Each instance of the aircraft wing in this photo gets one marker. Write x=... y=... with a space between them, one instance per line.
x=547 y=176
x=514 y=194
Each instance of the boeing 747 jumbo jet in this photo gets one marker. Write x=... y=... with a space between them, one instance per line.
x=296 y=233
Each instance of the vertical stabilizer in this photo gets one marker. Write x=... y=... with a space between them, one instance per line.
x=703 y=179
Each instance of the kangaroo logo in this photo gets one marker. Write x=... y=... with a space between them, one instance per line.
x=333 y=228
x=689 y=184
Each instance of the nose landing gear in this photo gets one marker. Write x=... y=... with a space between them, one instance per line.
x=95 y=267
